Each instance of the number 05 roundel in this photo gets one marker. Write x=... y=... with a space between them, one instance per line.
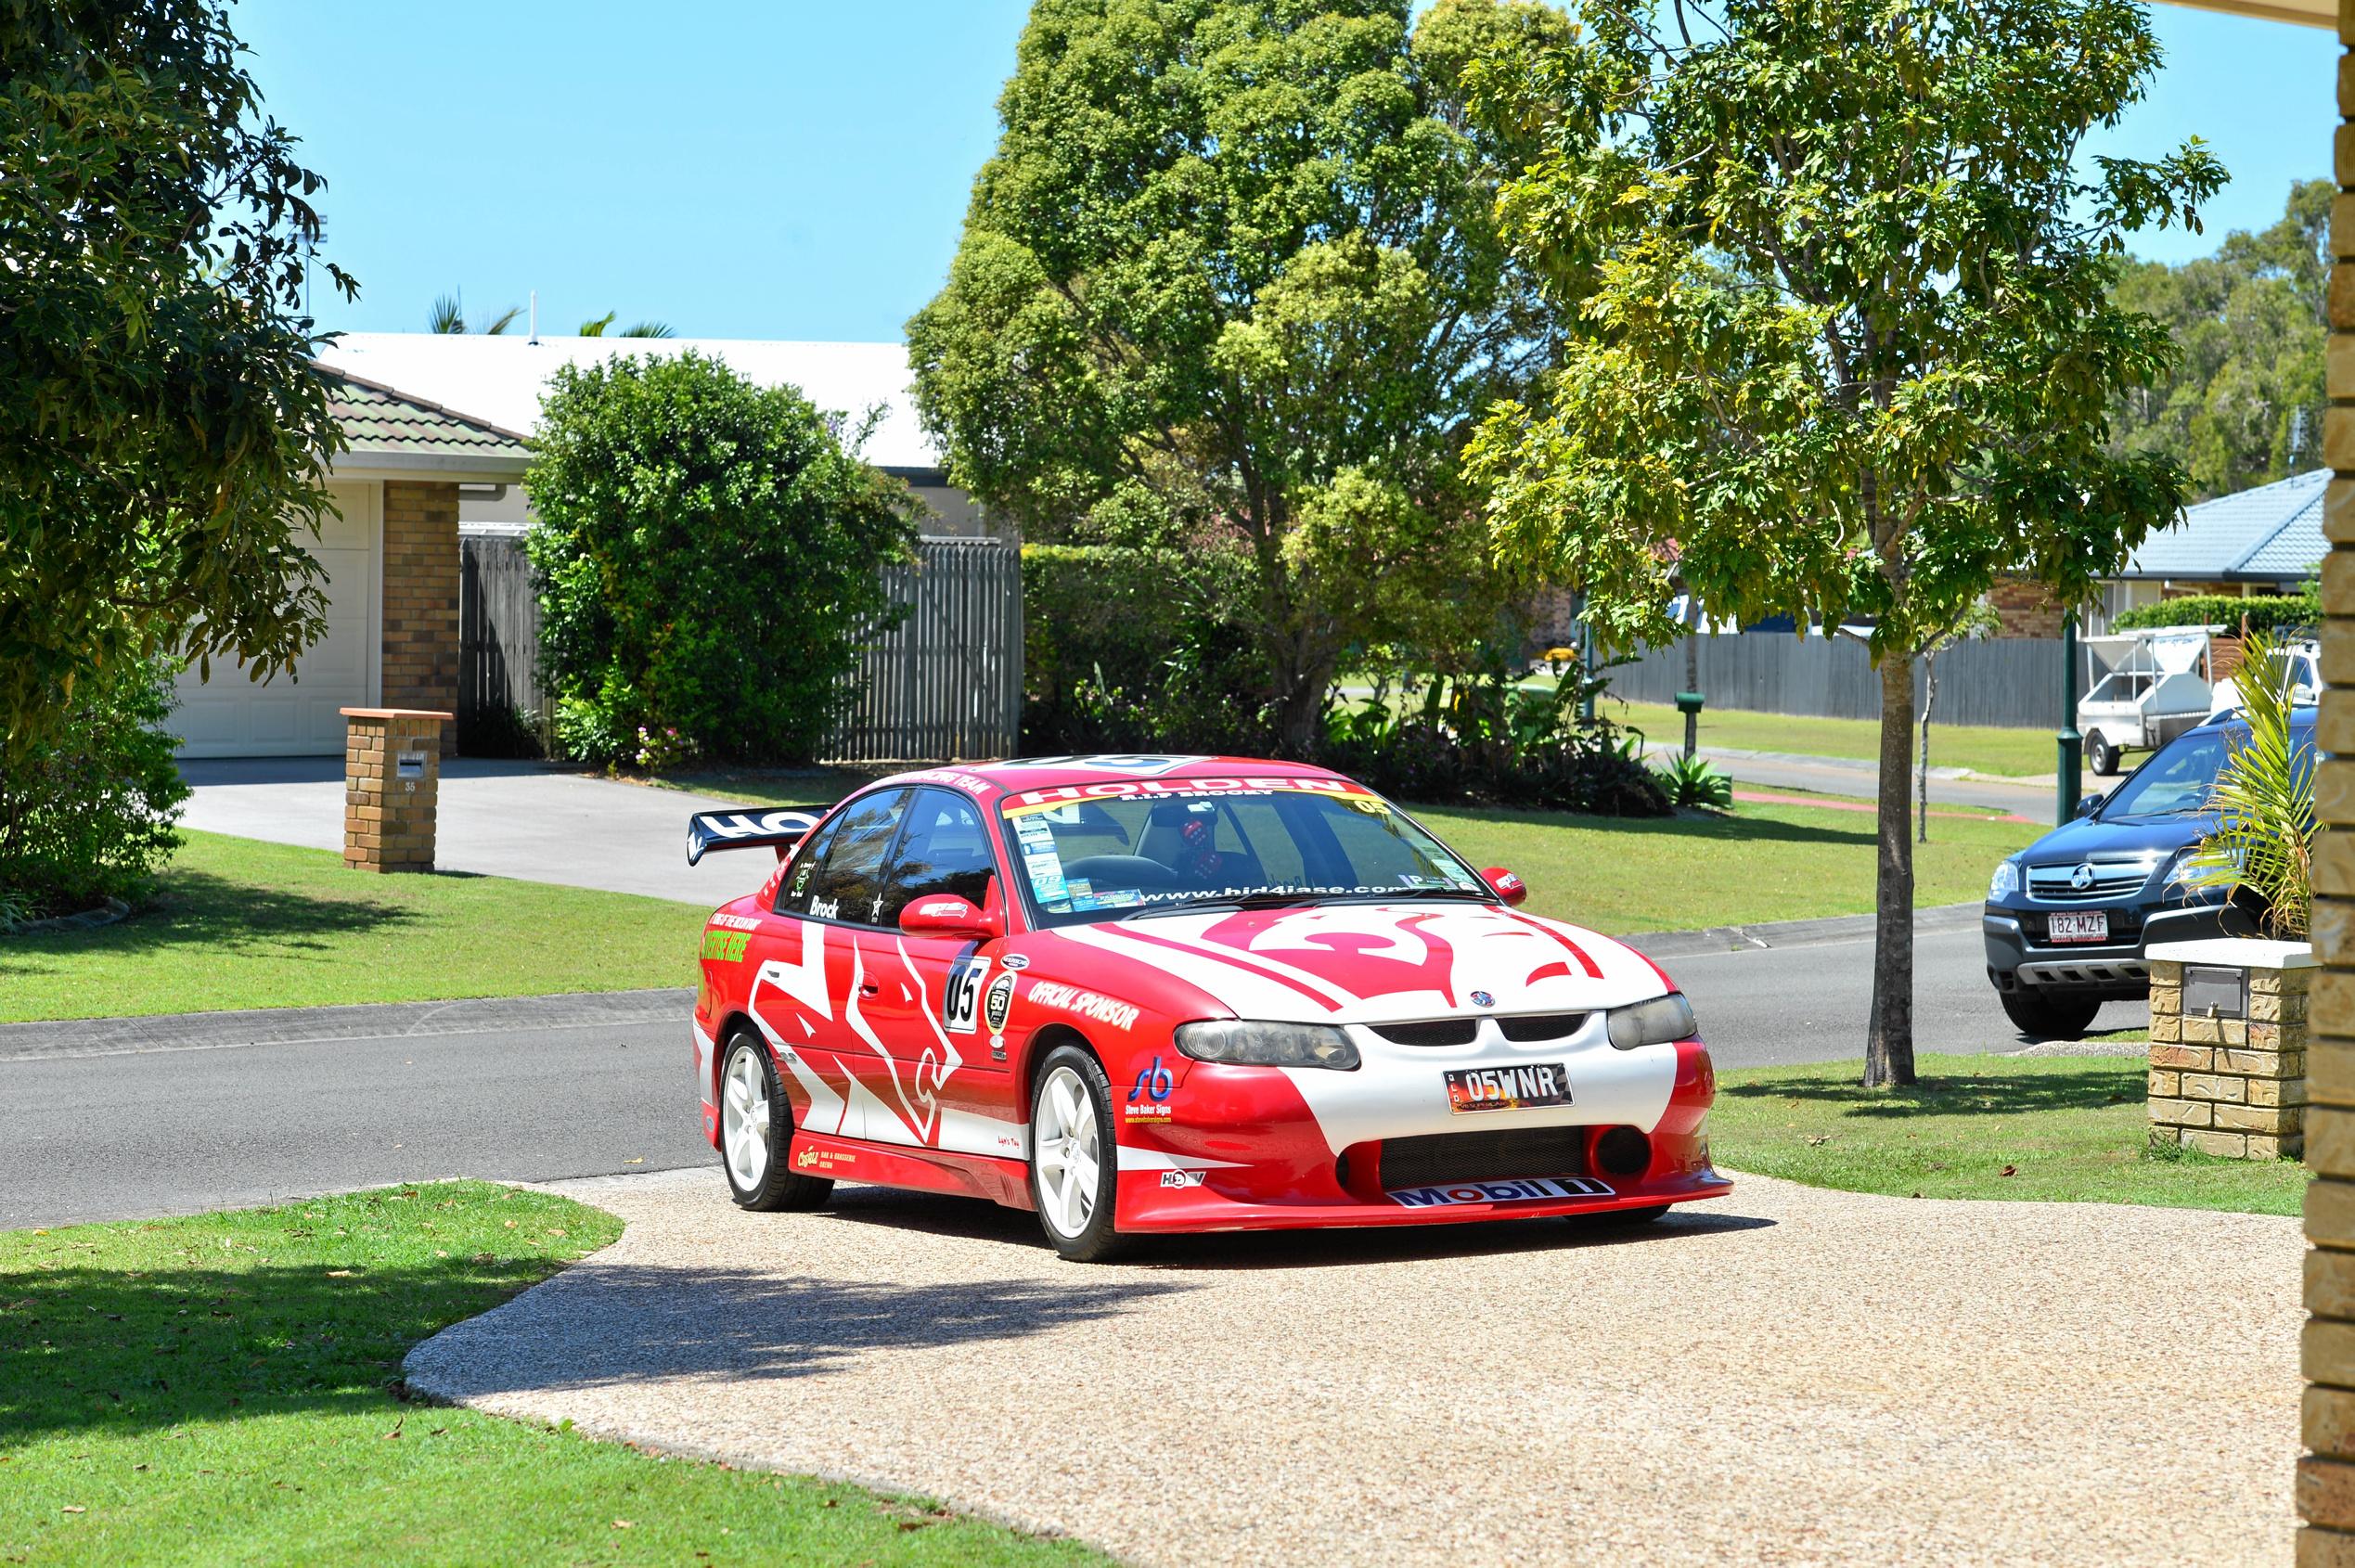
x=963 y=999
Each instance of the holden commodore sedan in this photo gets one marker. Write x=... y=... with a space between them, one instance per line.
x=1142 y=994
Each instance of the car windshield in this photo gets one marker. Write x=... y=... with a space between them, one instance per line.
x=2178 y=779
x=1093 y=852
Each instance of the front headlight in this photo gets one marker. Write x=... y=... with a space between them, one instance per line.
x=1241 y=1043
x=1652 y=1023
x=2005 y=882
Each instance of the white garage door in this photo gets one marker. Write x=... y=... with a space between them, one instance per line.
x=231 y=716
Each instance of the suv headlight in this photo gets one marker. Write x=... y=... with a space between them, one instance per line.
x=2005 y=882
x=1652 y=1023
x=1241 y=1043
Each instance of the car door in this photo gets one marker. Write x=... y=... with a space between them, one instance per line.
x=808 y=976
x=956 y=1085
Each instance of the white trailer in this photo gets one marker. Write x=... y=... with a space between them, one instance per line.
x=2156 y=687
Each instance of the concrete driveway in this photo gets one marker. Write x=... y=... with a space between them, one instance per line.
x=1787 y=1375
x=496 y=818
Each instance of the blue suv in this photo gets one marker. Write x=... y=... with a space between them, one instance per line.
x=2067 y=918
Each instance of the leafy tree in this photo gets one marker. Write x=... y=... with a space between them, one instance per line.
x=161 y=433
x=86 y=815
x=597 y=328
x=1848 y=342
x=448 y=317
x=2243 y=404
x=1233 y=276
x=707 y=550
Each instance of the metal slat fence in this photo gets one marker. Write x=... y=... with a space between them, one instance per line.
x=2008 y=681
x=946 y=682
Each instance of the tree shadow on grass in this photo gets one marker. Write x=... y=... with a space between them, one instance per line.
x=2090 y=1084
x=90 y=1350
x=220 y=915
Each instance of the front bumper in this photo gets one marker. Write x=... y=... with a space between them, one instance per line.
x=1246 y=1149
x=2015 y=959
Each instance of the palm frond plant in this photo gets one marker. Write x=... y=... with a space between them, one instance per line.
x=1691 y=782
x=2263 y=842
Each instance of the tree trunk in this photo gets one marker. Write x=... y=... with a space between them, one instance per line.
x=1888 y=1042
x=1300 y=704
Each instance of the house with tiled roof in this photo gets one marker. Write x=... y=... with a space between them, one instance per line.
x=390 y=551
x=2262 y=541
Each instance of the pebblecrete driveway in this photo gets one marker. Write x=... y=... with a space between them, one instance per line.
x=1789 y=1376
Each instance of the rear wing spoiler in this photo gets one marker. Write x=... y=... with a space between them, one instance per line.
x=750 y=827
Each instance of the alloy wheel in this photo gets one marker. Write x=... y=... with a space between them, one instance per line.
x=1068 y=1151
x=744 y=1114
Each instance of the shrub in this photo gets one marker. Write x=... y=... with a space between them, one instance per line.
x=1691 y=782
x=2286 y=612
x=1126 y=648
x=707 y=551
x=2262 y=846
x=88 y=816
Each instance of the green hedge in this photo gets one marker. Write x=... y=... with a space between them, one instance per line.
x=2285 y=613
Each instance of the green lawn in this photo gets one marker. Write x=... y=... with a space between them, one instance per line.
x=1984 y=749
x=2063 y=1129
x=218 y=1390
x=1758 y=863
x=245 y=924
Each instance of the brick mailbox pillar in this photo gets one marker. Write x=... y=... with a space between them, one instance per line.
x=391 y=781
x=2228 y=1047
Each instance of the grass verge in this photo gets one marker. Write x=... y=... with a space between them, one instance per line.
x=218 y=1390
x=1754 y=864
x=2059 y=1129
x=1982 y=748
x=240 y=923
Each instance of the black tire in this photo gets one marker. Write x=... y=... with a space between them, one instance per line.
x=2043 y=1015
x=758 y=1176
x=1092 y=1239
x=2102 y=755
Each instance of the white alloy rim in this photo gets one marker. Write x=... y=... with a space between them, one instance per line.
x=744 y=1119
x=1066 y=1149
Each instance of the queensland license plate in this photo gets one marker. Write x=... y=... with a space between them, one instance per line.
x=1508 y=1089
x=2092 y=925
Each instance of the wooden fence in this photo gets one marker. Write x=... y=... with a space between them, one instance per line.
x=946 y=682
x=2010 y=681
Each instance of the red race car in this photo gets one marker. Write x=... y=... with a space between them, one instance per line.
x=1141 y=994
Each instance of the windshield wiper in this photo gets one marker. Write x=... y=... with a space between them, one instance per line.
x=1267 y=900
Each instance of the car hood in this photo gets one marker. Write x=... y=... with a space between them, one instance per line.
x=1373 y=963
x=2087 y=839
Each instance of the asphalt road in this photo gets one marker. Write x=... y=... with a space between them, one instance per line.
x=148 y=1117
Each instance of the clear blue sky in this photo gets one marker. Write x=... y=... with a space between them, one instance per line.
x=798 y=168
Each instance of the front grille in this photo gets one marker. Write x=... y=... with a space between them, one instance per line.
x=1439 y=1032
x=1532 y=1027
x=2055 y=884
x=2126 y=925
x=1491 y=1156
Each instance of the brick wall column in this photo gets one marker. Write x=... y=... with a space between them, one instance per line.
x=421 y=597
x=392 y=787
x=2326 y=1474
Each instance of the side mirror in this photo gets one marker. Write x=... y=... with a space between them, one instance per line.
x=1505 y=885
x=945 y=914
x=2086 y=805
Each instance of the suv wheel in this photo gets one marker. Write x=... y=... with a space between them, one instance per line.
x=2043 y=1016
